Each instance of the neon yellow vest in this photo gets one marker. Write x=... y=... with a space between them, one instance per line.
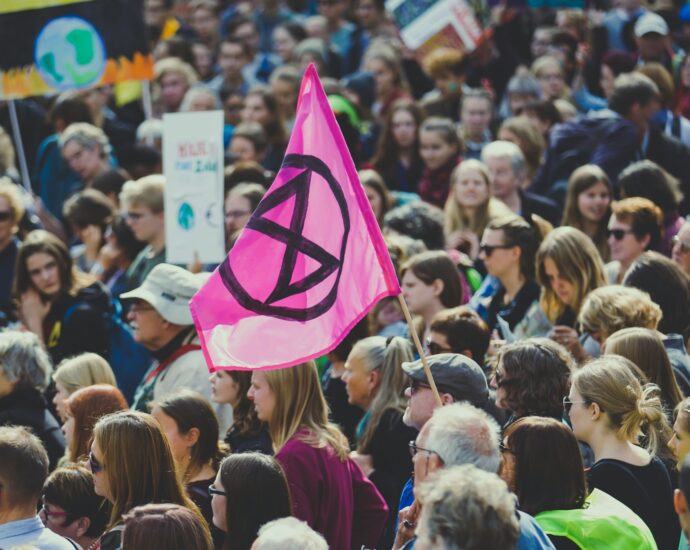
x=603 y=523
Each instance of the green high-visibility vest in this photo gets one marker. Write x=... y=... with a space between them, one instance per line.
x=603 y=523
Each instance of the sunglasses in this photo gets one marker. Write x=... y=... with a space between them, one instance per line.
x=95 y=466
x=213 y=491
x=500 y=378
x=568 y=404
x=435 y=349
x=5 y=215
x=619 y=234
x=488 y=249
x=416 y=385
x=684 y=245
x=414 y=449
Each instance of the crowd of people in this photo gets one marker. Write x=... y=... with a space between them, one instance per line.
x=531 y=191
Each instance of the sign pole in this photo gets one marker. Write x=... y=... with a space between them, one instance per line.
x=146 y=99
x=420 y=350
x=17 y=135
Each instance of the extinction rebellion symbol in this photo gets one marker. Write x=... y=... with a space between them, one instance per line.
x=296 y=242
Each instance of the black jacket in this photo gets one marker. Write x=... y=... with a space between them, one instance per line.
x=674 y=157
x=26 y=407
x=76 y=324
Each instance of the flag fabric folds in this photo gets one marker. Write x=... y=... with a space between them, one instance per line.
x=310 y=263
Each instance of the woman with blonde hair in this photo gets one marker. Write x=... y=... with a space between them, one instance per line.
x=132 y=465
x=470 y=207
x=551 y=76
x=11 y=213
x=79 y=372
x=645 y=348
x=609 y=409
x=588 y=205
x=376 y=383
x=568 y=269
x=324 y=482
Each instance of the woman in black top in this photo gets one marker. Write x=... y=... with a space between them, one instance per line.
x=608 y=407
x=65 y=308
x=376 y=383
x=508 y=248
x=191 y=426
x=247 y=432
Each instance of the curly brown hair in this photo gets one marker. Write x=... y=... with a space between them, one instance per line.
x=536 y=377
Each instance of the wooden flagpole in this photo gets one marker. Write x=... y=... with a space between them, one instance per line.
x=420 y=350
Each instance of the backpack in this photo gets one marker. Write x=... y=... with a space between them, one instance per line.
x=128 y=359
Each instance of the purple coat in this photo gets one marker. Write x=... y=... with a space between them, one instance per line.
x=334 y=497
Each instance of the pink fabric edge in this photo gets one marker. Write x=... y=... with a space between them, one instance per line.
x=212 y=368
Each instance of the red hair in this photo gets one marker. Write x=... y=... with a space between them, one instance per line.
x=87 y=405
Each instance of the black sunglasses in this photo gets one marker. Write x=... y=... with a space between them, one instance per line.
x=488 y=249
x=213 y=491
x=435 y=349
x=500 y=378
x=618 y=234
x=5 y=215
x=94 y=464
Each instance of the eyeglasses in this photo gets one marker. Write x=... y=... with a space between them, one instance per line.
x=435 y=348
x=414 y=449
x=619 y=234
x=5 y=215
x=140 y=308
x=500 y=378
x=48 y=514
x=568 y=404
x=488 y=249
x=236 y=214
x=684 y=245
x=416 y=385
x=95 y=466
x=213 y=491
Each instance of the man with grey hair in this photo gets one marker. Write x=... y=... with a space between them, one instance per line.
x=25 y=371
x=506 y=164
x=455 y=435
x=466 y=507
x=288 y=534
x=23 y=470
x=86 y=149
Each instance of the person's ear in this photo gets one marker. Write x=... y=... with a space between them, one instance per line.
x=192 y=436
x=644 y=241
x=515 y=253
x=437 y=286
x=83 y=524
x=374 y=379
x=467 y=353
x=447 y=399
x=595 y=410
x=679 y=502
x=435 y=462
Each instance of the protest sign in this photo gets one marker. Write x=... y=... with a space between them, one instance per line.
x=193 y=168
x=310 y=263
x=429 y=24
x=49 y=46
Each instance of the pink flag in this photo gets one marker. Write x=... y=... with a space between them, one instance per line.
x=310 y=263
